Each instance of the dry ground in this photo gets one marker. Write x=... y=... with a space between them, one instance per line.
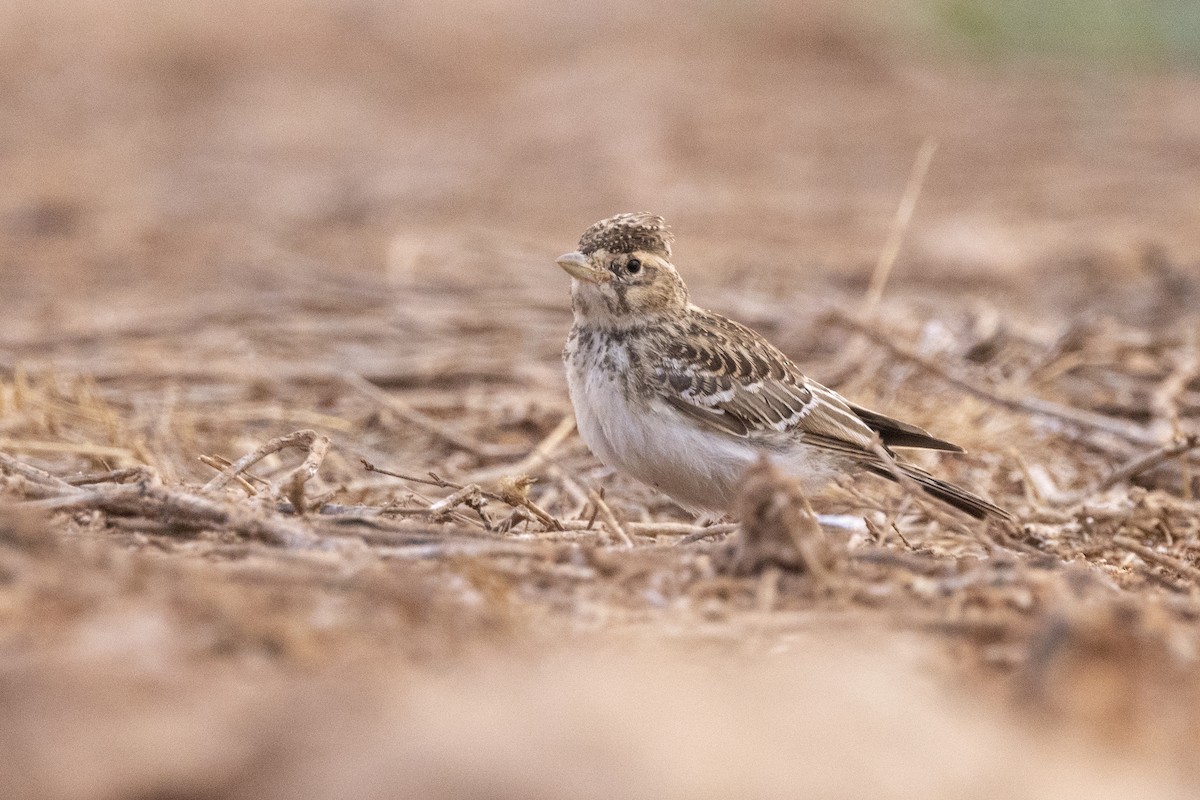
x=222 y=226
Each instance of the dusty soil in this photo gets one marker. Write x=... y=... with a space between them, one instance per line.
x=217 y=229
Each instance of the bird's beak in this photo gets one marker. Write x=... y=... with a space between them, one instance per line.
x=577 y=266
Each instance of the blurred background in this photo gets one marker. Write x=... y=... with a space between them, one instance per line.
x=221 y=222
x=187 y=143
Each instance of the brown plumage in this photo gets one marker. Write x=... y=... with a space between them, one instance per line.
x=686 y=399
x=627 y=233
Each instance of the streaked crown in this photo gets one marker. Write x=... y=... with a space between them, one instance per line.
x=626 y=233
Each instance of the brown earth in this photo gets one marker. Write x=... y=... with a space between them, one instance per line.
x=222 y=226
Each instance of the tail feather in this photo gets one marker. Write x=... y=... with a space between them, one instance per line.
x=895 y=433
x=948 y=493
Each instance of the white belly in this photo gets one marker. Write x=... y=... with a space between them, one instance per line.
x=655 y=444
x=699 y=467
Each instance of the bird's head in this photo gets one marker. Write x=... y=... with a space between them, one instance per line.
x=622 y=272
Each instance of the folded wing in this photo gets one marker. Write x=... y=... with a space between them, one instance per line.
x=732 y=379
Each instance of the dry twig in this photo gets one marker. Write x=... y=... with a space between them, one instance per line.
x=414 y=417
x=537 y=456
x=125 y=475
x=900 y=222
x=513 y=492
x=292 y=485
x=40 y=477
x=1151 y=555
x=610 y=519
x=316 y=444
x=1137 y=466
x=1026 y=404
x=181 y=509
x=69 y=448
x=220 y=464
x=470 y=496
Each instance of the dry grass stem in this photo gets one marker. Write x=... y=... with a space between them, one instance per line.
x=899 y=227
x=470 y=496
x=610 y=519
x=536 y=458
x=74 y=448
x=512 y=491
x=179 y=509
x=426 y=423
x=515 y=492
x=367 y=252
x=292 y=485
x=1028 y=404
x=221 y=464
x=124 y=475
x=778 y=528
x=316 y=445
x=1152 y=556
x=1137 y=466
x=38 y=476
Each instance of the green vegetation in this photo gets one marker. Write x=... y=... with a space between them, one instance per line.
x=1131 y=31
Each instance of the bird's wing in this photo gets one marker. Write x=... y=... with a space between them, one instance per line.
x=730 y=378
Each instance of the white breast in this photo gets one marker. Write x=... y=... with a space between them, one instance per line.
x=648 y=439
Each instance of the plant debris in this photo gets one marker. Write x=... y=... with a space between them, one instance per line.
x=291 y=499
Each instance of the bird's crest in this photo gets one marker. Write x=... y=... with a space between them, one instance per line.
x=626 y=233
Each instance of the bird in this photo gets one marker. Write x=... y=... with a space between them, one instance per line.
x=686 y=400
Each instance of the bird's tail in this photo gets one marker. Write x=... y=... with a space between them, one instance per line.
x=948 y=493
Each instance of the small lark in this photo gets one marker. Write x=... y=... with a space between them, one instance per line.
x=685 y=399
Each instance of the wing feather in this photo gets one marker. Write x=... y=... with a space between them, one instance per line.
x=731 y=378
x=728 y=376
x=901 y=434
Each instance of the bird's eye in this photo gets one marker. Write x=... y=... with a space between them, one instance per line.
x=633 y=266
